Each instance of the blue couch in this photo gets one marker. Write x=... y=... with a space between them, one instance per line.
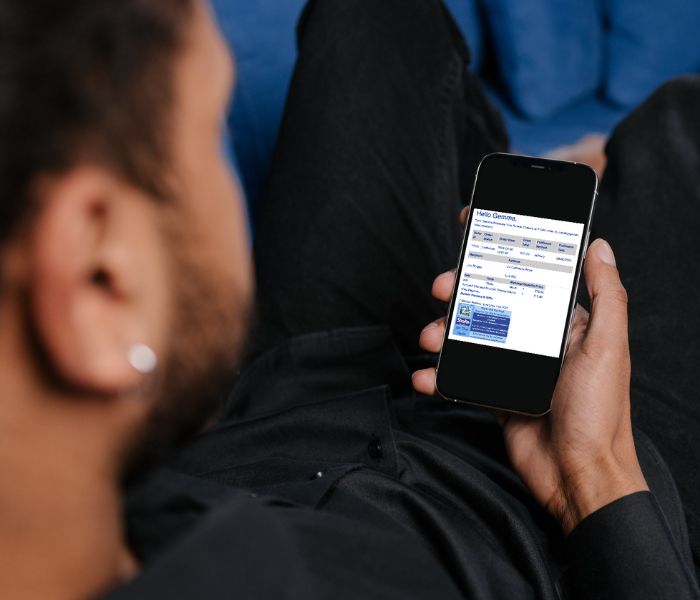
x=558 y=69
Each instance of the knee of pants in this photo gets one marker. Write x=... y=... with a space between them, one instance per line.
x=674 y=103
x=663 y=131
x=346 y=19
x=681 y=92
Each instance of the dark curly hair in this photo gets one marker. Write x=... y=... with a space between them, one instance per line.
x=85 y=80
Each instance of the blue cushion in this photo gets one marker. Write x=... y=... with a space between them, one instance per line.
x=549 y=52
x=262 y=36
x=649 y=42
x=589 y=115
x=466 y=14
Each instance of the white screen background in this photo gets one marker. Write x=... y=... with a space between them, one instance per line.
x=516 y=281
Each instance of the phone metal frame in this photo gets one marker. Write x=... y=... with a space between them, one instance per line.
x=572 y=310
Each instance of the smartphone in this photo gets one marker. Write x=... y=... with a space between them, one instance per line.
x=511 y=312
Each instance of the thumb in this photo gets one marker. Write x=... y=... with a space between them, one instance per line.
x=608 y=322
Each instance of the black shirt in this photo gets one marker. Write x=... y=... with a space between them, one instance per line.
x=332 y=479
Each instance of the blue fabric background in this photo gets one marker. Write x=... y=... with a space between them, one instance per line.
x=649 y=42
x=262 y=35
x=549 y=52
x=466 y=13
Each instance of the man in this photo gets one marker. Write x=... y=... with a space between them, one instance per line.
x=125 y=284
x=125 y=275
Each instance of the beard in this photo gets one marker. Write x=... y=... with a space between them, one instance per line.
x=210 y=327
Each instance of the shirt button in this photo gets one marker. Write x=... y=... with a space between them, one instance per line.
x=375 y=449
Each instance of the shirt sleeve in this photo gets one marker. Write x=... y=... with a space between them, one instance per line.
x=626 y=550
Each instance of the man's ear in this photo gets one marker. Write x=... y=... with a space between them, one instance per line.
x=99 y=279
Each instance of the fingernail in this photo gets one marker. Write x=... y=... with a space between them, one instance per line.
x=432 y=325
x=605 y=252
x=445 y=275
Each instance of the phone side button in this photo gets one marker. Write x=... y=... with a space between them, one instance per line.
x=585 y=246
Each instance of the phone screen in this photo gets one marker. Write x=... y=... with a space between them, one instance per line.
x=506 y=330
x=515 y=284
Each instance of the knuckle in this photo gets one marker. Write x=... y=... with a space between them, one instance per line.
x=605 y=351
x=619 y=294
x=616 y=294
x=591 y=347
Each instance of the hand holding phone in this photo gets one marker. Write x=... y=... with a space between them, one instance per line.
x=581 y=455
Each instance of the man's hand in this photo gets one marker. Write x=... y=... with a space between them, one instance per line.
x=581 y=456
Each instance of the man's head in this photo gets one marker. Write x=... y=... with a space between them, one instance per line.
x=120 y=223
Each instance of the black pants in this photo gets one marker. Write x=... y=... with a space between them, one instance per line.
x=383 y=131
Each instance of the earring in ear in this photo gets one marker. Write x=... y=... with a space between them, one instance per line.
x=142 y=358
